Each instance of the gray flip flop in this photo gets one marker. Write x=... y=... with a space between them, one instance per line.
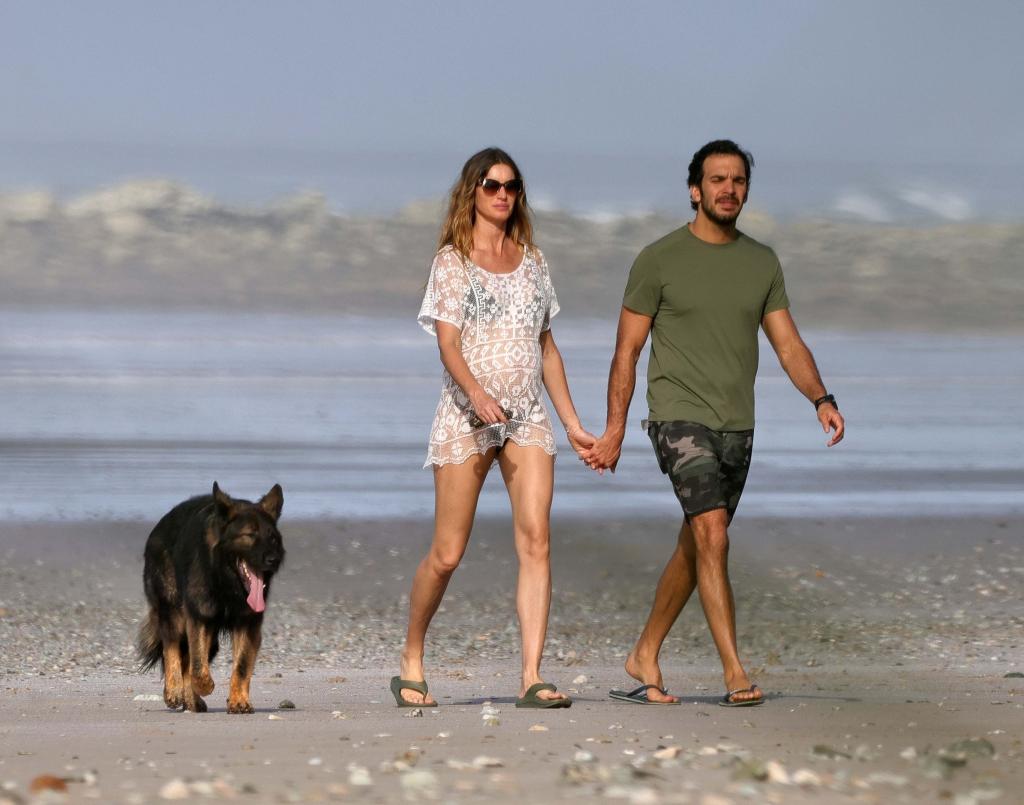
x=728 y=702
x=639 y=695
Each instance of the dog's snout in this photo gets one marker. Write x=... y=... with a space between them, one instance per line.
x=271 y=559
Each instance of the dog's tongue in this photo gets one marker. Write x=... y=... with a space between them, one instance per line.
x=255 y=598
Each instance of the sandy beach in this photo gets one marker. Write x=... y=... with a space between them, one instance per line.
x=888 y=649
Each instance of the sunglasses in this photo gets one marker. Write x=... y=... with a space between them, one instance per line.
x=476 y=422
x=492 y=186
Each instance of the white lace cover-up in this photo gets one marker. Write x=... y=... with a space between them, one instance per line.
x=501 y=317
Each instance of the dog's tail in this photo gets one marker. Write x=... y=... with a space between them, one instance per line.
x=148 y=645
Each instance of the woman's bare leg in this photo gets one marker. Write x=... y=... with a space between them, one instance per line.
x=529 y=475
x=456 y=491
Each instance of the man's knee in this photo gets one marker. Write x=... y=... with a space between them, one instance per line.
x=710 y=532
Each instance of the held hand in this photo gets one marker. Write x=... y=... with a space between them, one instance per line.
x=486 y=407
x=831 y=419
x=580 y=439
x=604 y=454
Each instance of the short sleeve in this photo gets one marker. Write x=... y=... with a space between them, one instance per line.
x=643 y=289
x=777 y=299
x=549 y=293
x=448 y=296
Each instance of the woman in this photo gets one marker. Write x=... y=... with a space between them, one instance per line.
x=489 y=301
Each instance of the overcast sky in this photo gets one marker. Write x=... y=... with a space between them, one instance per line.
x=926 y=80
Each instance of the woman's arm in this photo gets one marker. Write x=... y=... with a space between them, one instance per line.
x=557 y=386
x=449 y=342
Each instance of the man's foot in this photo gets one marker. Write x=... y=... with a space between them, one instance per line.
x=741 y=691
x=649 y=674
x=413 y=670
x=732 y=697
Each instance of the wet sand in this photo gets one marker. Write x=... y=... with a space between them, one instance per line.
x=883 y=646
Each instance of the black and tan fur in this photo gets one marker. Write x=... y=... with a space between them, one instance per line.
x=201 y=562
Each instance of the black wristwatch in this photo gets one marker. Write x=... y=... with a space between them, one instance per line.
x=828 y=398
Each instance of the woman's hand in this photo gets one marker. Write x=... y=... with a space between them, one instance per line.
x=604 y=453
x=580 y=439
x=486 y=407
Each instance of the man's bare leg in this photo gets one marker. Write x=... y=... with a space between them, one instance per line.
x=675 y=587
x=710 y=532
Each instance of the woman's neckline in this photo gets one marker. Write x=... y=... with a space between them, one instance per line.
x=522 y=260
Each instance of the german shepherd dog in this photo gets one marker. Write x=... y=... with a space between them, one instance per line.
x=209 y=564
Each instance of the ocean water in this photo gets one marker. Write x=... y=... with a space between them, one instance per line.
x=121 y=415
x=601 y=186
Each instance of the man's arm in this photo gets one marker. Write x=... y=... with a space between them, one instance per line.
x=798 y=363
x=629 y=343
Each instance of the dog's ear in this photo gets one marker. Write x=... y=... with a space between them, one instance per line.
x=273 y=501
x=223 y=501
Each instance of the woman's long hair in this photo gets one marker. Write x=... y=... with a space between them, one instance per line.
x=457 y=230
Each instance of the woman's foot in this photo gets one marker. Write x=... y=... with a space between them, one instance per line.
x=412 y=670
x=649 y=673
x=543 y=695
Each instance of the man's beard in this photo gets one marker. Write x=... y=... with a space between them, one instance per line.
x=715 y=217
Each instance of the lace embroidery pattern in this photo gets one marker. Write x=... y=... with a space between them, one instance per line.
x=501 y=317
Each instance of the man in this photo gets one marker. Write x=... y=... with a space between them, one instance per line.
x=701 y=292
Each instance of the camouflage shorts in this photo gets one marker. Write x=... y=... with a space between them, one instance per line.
x=708 y=468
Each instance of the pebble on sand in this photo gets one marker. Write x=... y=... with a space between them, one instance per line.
x=777 y=772
x=970 y=748
x=421 y=784
x=47 y=782
x=175 y=789
x=805 y=777
x=824 y=750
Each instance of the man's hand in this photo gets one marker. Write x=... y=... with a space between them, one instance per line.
x=605 y=453
x=831 y=419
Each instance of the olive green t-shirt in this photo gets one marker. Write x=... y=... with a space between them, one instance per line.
x=707 y=301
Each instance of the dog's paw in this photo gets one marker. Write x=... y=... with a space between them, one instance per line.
x=197 y=705
x=174 y=695
x=174 y=701
x=202 y=684
x=240 y=706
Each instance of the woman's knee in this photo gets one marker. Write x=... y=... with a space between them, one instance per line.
x=533 y=543
x=444 y=562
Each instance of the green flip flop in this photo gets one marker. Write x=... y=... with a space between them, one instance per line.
x=397 y=683
x=531 y=700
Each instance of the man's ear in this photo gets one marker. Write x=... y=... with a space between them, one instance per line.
x=273 y=501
